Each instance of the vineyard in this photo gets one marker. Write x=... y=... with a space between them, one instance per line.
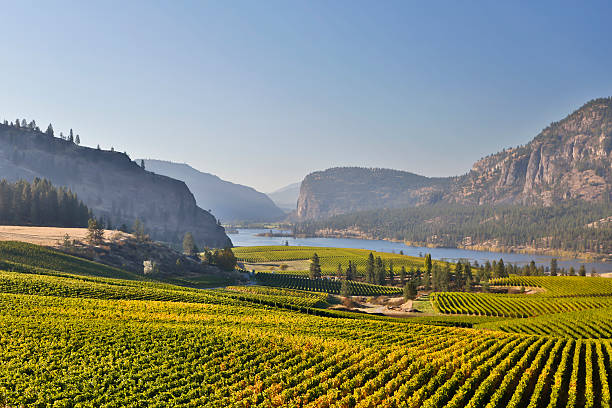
x=330 y=258
x=69 y=339
x=323 y=285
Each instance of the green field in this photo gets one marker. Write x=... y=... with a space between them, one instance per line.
x=71 y=339
x=330 y=258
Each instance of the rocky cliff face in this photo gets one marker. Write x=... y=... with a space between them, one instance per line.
x=570 y=159
x=228 y=201
x=110 y=184
x=349 y=189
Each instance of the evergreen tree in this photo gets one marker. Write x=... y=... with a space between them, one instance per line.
x=339 y=270
x=139 y=231
x=554 y=268
x=370 y=268
x=410 y=291
x=459 y=278
x=391 y=274
x=349 y=272
x=428 y=264
x=315 y=267
x=379 y=271
x=572 y=271
x=95 y=232
x=582 y=271
x=403 y=275
x=49 y=131
x=71 y=137
x=345 y=288
x=77 y=140
x=189 y=246
x=142 y=164
x=467 y=286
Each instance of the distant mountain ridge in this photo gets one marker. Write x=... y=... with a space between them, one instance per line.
x=110 y=184
x=286 y=198
x=570 y=159
x=228 y=201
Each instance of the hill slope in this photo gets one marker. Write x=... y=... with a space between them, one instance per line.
x=570 y=159
x=349 y=189
x=286 y=198
x=110 y=184
x=227 y=201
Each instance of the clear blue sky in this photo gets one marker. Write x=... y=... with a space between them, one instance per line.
x=264 y=92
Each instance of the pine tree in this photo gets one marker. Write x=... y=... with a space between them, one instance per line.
x=71 y=137
x=49 y=131
x=554 y=268
x=77 y=140
x=370 y=268
x=345 y=288
x=428 y=263
x=189 y=247
x=315 y=267
x=349 y=272
x=410 y=291
x=391 y=274
x=582 y=271
x=379 y=271
x=403 y=275
x=142 y=164
x=95 y=232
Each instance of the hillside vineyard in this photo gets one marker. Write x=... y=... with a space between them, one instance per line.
x=100 y=340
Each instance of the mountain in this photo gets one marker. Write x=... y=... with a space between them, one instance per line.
x=110 y=184
x=286 y=198
x=228 y=201
x=569 y=159
x=348 y=189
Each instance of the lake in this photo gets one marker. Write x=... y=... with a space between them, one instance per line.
x=247 y=237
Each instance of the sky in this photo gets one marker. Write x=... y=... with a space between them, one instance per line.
x=264 y=92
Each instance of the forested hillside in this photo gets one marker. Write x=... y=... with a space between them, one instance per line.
x=40 y=204
x=109 y=183
x=573 y=226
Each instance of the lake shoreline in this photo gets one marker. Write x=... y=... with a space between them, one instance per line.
x=525 y=250
x=254 y=237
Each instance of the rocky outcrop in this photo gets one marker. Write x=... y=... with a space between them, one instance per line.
x=570 y=159
x=110 y=184
x=227 y=201
x=349 y=189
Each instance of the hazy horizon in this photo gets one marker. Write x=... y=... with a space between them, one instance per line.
x=284 y=89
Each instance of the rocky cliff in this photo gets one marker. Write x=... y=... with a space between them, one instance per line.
x=229 y=202
x=349 y=189
x=570 y=159
x=110 y=184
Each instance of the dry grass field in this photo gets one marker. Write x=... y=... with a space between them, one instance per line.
x=48 y=236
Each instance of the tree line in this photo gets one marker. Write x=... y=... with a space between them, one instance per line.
x=569 y=226
x=25 y=125
x=41 y=204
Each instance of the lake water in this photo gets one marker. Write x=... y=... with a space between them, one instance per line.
x=247 y=237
